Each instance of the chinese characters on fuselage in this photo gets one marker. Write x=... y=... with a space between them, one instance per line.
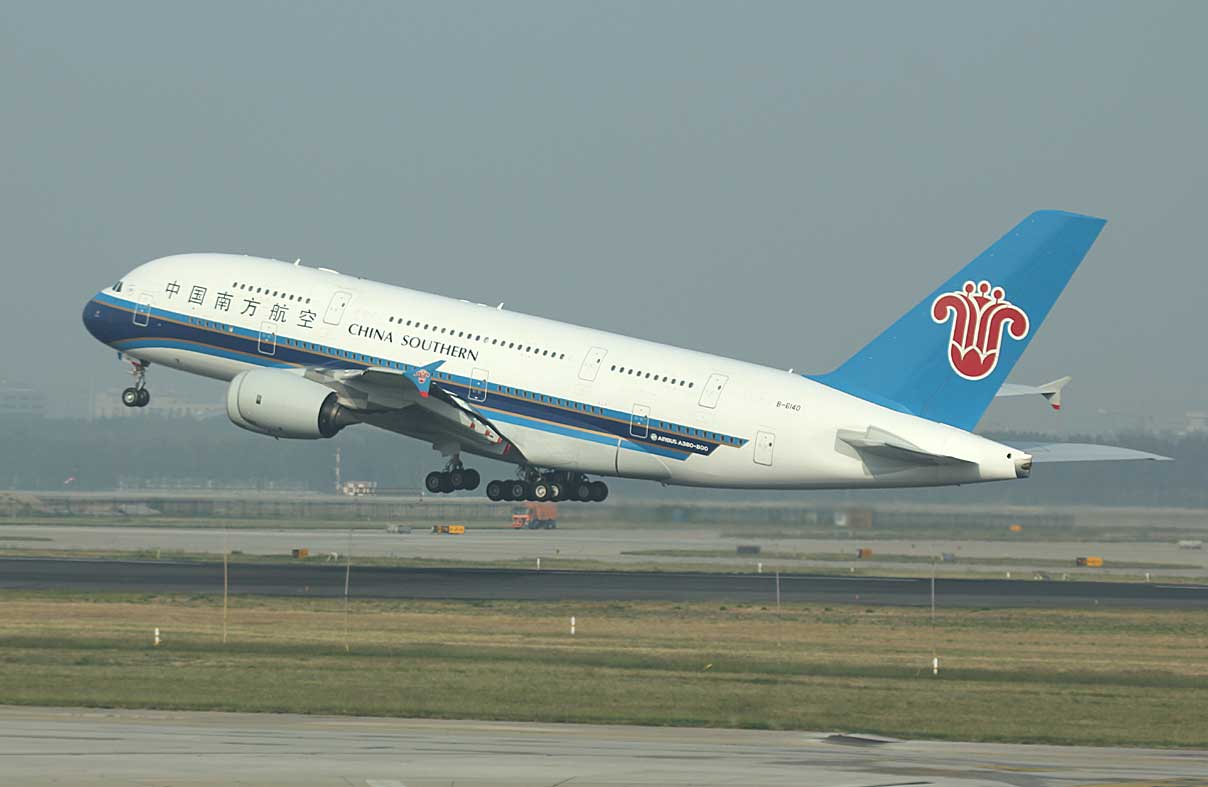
x=278 y=312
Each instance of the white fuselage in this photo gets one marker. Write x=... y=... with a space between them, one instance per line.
x=681 y=417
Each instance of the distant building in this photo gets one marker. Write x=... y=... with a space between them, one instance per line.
x=1196 y=423
x=109 y=405
x=22 y=400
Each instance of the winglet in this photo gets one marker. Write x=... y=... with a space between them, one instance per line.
x=422 y=376
x=1052 y=391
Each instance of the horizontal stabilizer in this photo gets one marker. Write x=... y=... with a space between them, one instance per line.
x=1050 y=391
x=1085 y=452
x=879 y=442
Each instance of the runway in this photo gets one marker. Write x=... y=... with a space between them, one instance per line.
x=111 y=747
x=671 y=548
x=327 y=580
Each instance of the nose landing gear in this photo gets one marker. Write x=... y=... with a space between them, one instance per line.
x=137 y=395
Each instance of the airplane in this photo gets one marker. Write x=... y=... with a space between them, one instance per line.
x=308 y=352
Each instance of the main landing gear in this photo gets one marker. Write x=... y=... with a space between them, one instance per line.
x=548 y=487
x=137 y=395
x=451 y=479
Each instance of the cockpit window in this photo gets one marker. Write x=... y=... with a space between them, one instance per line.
x=117 y=287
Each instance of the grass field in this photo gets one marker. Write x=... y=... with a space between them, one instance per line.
x=1096 y=677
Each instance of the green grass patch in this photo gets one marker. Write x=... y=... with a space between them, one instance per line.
x=1102 y=677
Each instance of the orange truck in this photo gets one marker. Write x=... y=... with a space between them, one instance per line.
x=535 y=516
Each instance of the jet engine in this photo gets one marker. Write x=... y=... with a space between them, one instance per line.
x=281 y=404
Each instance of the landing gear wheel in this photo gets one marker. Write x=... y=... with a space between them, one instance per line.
x=494 y=490
x=541 y=492
x=130 y=397
x=457 y=479
x=599 y=491
x=446 y=483
x=516 y=490
x=144 y=397
x=434 y=482
x=472 y=480
x=555 y=491
x=581 y=491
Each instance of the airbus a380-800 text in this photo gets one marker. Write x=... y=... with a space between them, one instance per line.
x=309 y=351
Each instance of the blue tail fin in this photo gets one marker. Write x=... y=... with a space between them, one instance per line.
x=945 y=358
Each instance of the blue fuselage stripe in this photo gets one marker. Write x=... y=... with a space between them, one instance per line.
x=114 y=323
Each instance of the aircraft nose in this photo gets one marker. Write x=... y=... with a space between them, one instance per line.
x=94 y=319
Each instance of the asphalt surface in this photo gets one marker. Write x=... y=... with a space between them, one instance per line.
x=327 y=580
x=672 y=548
x=123 y=747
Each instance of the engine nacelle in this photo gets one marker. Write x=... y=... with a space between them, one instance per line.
x=282 y=404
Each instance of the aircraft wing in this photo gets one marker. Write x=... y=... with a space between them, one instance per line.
x=1085 y=452
x=1050 y=391
x=389 y=397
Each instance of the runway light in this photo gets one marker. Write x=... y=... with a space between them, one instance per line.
x=935 y=665
x=572 y=625
x=157 y=636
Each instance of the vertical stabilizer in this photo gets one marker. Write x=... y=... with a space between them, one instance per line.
x=947 y=357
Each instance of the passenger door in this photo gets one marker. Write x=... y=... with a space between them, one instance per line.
x=335 y=309
x=765 y=443
x=639 y=421
x=478 y=385
x=142 y=310
x=267 y=343
x=713 y=389
x=592 y=363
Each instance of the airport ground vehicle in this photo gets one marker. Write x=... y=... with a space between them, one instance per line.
x=535 y=516
x=450 y=530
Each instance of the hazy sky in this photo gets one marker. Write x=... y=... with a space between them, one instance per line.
x=775 y=182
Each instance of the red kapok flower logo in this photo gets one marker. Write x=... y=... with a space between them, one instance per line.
x=980 y=314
